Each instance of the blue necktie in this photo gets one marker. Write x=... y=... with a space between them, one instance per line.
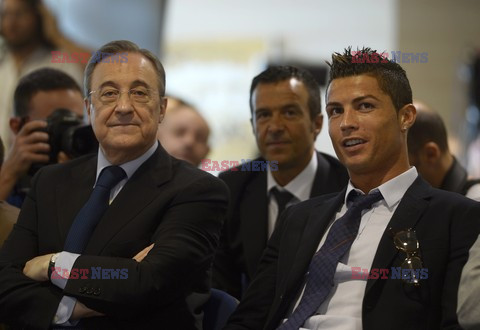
x=91 y=213
x=282 y=198
x=324 y=263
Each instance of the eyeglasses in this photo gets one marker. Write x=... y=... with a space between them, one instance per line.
x=406 y=241
x=110 y=96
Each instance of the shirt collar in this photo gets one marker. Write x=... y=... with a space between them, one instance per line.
x=392 y=190
x=301 y=185
x=129 y=167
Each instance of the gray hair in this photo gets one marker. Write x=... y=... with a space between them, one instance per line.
x=118 y=47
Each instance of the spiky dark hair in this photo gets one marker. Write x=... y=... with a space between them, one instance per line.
x=392 y=78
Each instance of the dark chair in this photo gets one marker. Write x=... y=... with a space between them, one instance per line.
x=218 y=309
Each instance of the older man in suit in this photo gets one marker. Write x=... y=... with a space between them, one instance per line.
x=387 y=251
x=136 y=251
x=286 y=118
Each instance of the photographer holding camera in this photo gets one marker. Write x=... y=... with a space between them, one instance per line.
x=36 y=98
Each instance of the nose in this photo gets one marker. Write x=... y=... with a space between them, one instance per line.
x=188 y=140
x=349 y=120
x=124 y=104
x=276 y=124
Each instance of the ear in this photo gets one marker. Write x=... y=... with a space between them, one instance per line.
x=406 y=117
x=317 y=124
x=16 y=124
x=163 y=109
x=88 y=106
x=431 y=152
x=252 y=122
x=207 y=150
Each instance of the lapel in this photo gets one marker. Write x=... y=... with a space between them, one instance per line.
x=73 y=193
x=295 y=257
x=138 y=192
x=253 y=210
x=129 y=202
x=409 y=211
x=321 y=177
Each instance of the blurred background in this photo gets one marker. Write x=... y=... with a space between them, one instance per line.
x=212 y=49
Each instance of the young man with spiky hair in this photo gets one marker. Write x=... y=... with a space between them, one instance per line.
x=387 y=251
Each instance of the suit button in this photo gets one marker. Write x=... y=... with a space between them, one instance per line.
x=82 y=289
x=97 y=291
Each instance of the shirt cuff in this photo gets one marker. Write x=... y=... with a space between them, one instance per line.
x=64 y=312
x=63 y=268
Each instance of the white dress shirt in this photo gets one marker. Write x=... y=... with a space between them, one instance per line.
x=474 y=192
x=65 y=260
x=300 y=187
x=342 y=308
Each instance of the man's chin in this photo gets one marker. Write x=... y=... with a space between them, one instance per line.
x=17 y=44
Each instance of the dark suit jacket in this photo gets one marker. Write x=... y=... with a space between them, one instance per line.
x=457 y=180
x=245 y=231
x=167 y=202
x=446 y=225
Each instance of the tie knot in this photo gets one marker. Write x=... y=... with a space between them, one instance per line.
x=282 y=196
x=110 y=176
x=363 y=202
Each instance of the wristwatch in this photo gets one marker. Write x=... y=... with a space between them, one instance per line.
x=51 y=265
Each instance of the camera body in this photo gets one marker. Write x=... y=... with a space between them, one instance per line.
x=67 y=133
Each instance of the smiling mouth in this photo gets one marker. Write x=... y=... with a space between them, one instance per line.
x=275 y=143
x=122 y=125
x=353 y=142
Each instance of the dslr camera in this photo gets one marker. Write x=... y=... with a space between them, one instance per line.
x=69 y=134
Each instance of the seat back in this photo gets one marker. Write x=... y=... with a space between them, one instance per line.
x=218 y=309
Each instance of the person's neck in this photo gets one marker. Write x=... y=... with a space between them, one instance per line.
x=371 y=180
x=119 y=157
x=21 y=54
x=286 y=174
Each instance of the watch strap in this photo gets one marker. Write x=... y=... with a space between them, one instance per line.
x=51 y=265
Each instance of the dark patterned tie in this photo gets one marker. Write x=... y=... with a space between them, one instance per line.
x=91 y=213
x=282 y=198
x=324 y=263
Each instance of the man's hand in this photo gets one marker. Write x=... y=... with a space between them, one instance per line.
x=142 y=254
x=81 y=311
x=37 y=268
x=30 y=146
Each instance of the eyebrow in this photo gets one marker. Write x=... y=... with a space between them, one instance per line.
x=285 y=106
x=135 y=83
x=261 y=109
x=355 y=100
x=361 y=98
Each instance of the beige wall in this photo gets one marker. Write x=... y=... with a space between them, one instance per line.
x=449 y=31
